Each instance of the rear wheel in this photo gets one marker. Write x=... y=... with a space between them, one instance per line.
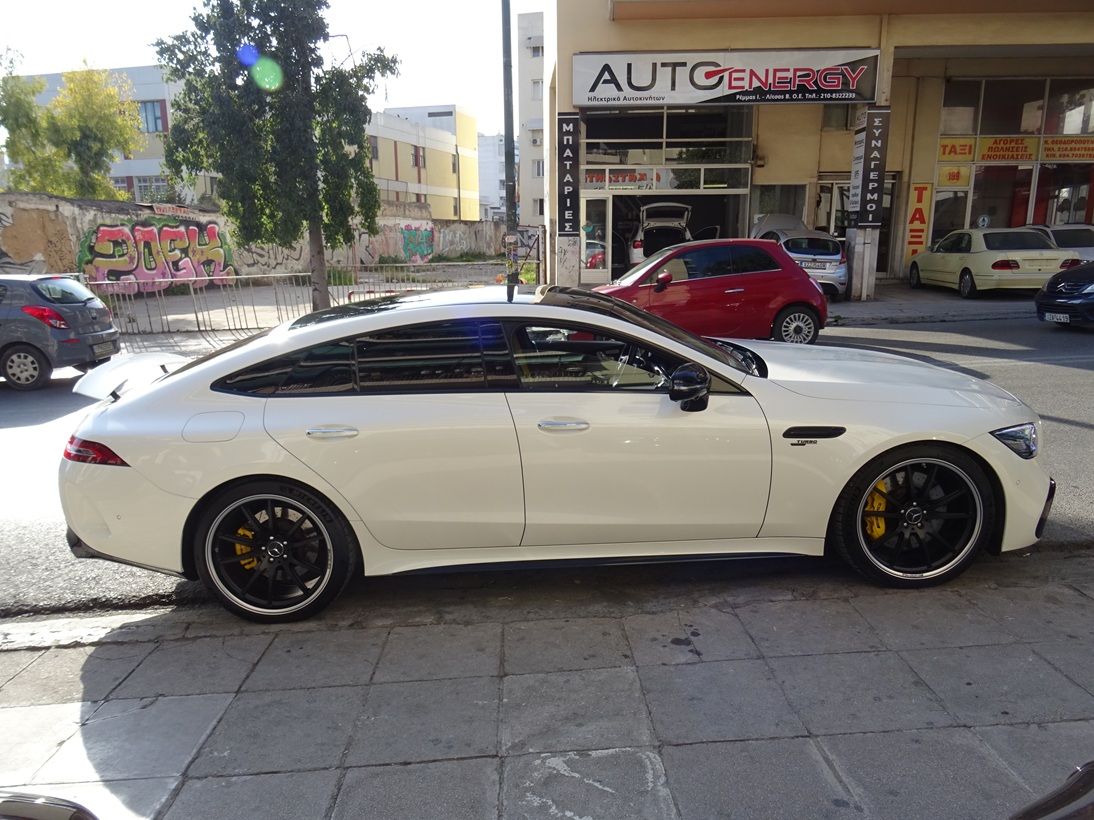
x=966 y=285
x=913 y=276
x=914 y=517
x=796 y=324
x=25 y=367
x=274 y=551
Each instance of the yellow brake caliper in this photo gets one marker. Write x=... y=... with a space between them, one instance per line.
x=243 y=549
x=875 y=502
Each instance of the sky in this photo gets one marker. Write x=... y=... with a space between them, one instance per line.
x=450 y=50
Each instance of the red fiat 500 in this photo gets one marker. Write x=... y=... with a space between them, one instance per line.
x=743 y=288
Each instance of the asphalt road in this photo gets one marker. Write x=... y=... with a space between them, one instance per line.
x=1048 y=367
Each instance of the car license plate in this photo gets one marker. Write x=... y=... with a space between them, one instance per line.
x=1057 y=317
x=104 y=348
x=815 y=265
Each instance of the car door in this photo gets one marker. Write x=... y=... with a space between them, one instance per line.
x=402 y=424
x=950 y=257
x=701 y=296
x=608 y=458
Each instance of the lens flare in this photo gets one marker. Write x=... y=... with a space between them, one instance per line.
x=267 y=74
x=247 y=54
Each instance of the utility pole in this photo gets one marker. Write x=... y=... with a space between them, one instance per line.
x=513 y=277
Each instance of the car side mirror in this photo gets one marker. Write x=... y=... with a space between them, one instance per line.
x=690 y=385
x=664 y=279
x=20 y=806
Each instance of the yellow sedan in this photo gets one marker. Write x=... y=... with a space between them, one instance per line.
x=974 y=260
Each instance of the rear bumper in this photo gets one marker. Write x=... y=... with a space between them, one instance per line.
x=86 y=349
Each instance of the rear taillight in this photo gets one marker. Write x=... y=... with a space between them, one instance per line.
x=842 y=255
x=91 y=452
x=1005 y=264
x=637 y=244
x=1070 y=263
x=47 y=315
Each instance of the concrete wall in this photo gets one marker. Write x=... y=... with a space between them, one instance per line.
x=144 y=248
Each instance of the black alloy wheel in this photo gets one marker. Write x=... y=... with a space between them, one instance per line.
x=274 y=551
x=914 y=517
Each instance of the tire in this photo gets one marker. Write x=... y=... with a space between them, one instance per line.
x=966 y=285
x=915 y=516
x=913 y=277
x=25 y=367
x=796 y=324
x=301 y=561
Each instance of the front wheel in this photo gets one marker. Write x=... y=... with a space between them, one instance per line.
x=797 y=325
x=915 y=516
x=25 y=367
x=274 y=551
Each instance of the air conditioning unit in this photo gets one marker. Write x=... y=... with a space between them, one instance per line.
x=536 y=141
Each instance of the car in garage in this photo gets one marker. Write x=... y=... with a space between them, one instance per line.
x=974 y=260
x=1067 y=299
x=743 y=288
x=501 y=425
x=48 y=321
x=660 y=224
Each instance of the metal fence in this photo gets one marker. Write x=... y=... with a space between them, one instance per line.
x=241 y=305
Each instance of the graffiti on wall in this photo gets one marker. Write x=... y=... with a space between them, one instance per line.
x=405 y=242
x=34 y=241
x=152 y=253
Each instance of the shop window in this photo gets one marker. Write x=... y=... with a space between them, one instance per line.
x=624 y=125
x=1000 y=196
x=697 y=153
x=961 y=107
x=778 y=199
x=949 y=213
x=838 y=117
x=627 y=153
x=709 y=123
x=1012 y=107
x=1063 y=194
x=1070 y=107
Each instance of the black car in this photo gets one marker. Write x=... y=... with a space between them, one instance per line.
x=1068 y=297
x=49 y=321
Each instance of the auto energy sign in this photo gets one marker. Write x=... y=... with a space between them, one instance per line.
x=725 y=77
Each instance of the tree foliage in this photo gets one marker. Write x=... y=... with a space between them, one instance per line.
x=285 y=135
x=67 y=147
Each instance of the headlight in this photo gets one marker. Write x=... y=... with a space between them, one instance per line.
x=1088 y=289
x=1021 y=439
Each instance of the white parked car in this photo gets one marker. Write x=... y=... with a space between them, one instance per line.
x=973 y=260
x=659 y=225
x=491 y=426
x=1078 y=238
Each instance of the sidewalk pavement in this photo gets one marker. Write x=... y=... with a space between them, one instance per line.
x=758 y=689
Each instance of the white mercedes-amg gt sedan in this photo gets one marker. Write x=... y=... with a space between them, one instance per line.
x=499 y=425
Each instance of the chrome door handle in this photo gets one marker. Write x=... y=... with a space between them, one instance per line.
x=736 y=290
x=331 y=432
x=552 y=426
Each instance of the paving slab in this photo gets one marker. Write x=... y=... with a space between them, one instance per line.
x=808 y=628
x=291 y=796
x=573 y=711
x=1073 y=658
x=1008 y=683
x=918 y=774
x=418 y=721
x=1042 y=756
x=556 y=645
x=301 y=660
x=32 y=735
x=757 y=778
x=118 y=799
x=1038 y=613
x=858 y=692
x=467 y=789
x=720 y=700
x=442 y=651
x=64 y=675
x=294 y=730
x=194 y=667
x=625 y=783
x=929 y=618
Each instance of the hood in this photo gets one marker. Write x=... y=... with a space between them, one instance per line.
x=122 y=374
x=841 y=373
x=776 y=222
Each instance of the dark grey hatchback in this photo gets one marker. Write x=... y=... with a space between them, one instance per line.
x=49 y=321
x=1067 y=298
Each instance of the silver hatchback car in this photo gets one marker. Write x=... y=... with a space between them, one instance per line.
x=49 y=321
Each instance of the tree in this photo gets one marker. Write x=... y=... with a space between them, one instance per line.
x=286 y=135
x=67 y=147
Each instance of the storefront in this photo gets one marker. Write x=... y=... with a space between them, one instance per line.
x=756 y=115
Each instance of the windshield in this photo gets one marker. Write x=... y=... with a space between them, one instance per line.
x=814 y=245
x=1074 y=237
x=60 y=290
x=636 y=274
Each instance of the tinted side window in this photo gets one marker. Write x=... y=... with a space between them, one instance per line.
x=949 y=244
x=431 y=357
x=704 y=262
x=747 y=259
x=327 y=368
x=3 y=292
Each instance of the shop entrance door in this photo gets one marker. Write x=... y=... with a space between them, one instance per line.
x=596 y=244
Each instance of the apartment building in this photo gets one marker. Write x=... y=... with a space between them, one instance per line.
x=531 y=179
